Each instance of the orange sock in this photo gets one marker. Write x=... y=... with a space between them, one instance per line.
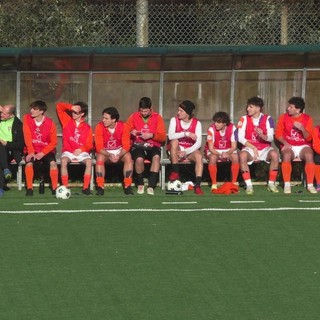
x=317 y=173
x=86 y=181
x=127 y=182
x=65 y=180
x=246 y=175
x=309 y=169
x=213 y=172
x=54 y=175
x=273 y=175
x=29 y=176
x=286 y=169
x=235 y=167
x=100 y=182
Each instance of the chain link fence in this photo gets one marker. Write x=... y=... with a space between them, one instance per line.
x=29 y=23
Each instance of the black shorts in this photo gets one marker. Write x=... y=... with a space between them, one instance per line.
x=145 y=153
x=47 y=159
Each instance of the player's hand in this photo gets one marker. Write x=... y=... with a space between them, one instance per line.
x=192 y=136
x=30 y=157
x=77 y=152
x=298 y=125
x=39 y=156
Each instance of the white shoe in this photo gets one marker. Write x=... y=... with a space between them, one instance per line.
x=140 y=189
x=272 y=188
x=312 y=189
x=150 y=191
x=287 y=189
x=214 y=187
x=249 y=190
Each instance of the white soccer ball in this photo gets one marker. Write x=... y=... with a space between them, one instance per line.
x=63 y=192
x=175 y=185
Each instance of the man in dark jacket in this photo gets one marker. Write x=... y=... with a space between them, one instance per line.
x=11 y=142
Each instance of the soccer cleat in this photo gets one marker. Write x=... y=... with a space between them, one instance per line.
x=29 y=193
x=128 y=190
x=312 y=189
x=318 y=188
x=150 y=191
x=287 y=190
x=273 y=188
x=87 y=192
x=53 y=192
x=249 y=190
x=174 y=176
x=140 y=189
x=7 y=174
x=100 y=191
x=214 y=187
x=198 y=190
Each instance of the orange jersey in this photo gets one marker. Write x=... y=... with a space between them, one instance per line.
x=293 y=136
x=316 y=139
x=154 y=124
x=39 y=138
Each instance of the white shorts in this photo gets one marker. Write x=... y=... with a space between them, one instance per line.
x=80 y=158
x=297 y=149
x=262 y=154
x=115 y=152
x=219 y=151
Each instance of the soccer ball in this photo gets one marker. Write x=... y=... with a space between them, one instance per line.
x=175 y=185
x=63 y=192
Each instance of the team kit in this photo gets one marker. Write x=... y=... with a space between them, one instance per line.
x=256 y=137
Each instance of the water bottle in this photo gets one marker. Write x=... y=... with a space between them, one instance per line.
x=41 y=186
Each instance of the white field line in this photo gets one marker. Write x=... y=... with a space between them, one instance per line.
x=150 y=210
x=248 y=201
x=309 y=201
x=179 y=202
x=40 y=203
x=111 y=202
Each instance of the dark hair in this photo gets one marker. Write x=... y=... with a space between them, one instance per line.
x=145 y=103
x=222 y=117
x=256 y=101
x=83 y=106
x=298 y=102
x=39 y=104
x=112 y=112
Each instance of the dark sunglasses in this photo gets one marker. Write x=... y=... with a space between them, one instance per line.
x=77 y=113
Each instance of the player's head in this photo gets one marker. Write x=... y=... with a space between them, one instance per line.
x=145 y=107
x=256 y=101
x=83 y=108
x=298 y=103
x=221 y=117
x=112 y=112
x=188 y=107
x=39 y=105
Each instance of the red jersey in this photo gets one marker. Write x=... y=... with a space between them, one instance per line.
x=221 y=142
x=151 y=124
x=185 y=142
x=316 y=139
x=108 y=140
x=292 y=135
x=246 y=124
x=74 y=136
x=39 y=138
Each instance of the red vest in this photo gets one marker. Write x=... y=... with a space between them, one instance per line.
x=292 y=135
x=185 y=142
x=144 y=127
x=74 y=137
x=112 y=141
x=222 y=142
x=40 y=134
x=253 y=137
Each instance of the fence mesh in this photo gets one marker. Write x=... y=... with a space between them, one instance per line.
x=29 y=23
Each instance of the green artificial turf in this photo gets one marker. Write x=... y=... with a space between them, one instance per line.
x=140 y=257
